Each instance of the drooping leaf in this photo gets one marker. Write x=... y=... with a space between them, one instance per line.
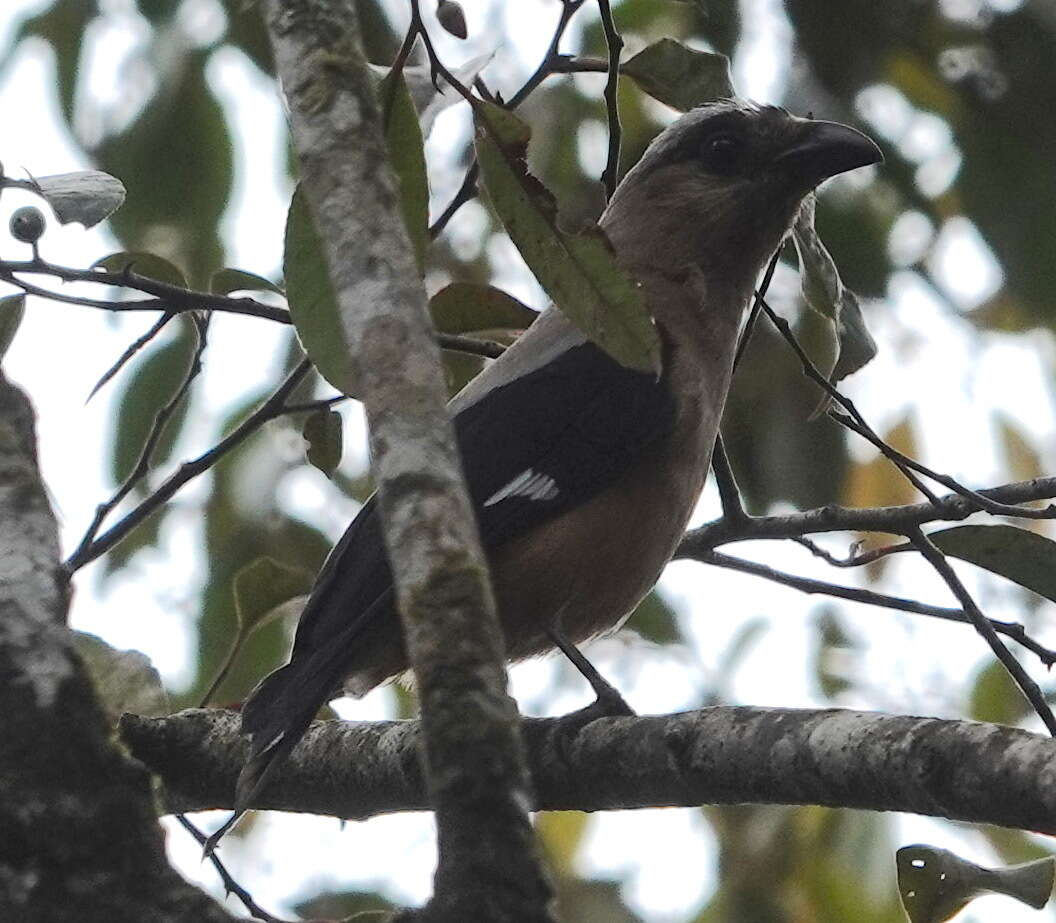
x=322 y=431
x=12 y=310
x=825 y=292
x=86 y=196
x=227 y=280
x=578 y=271
x=935 y=884
x=64 y=24
x=176 y=160
x=466 y=307
x=310 y=293
x=149 y=265
x=124 y=680
x=403 y=136
x=678 y=76
x=1023 y=557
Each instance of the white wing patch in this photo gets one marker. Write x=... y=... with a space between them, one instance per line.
x=530 y=484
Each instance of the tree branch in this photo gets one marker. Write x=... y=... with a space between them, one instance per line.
x=488 y=865
x=961 y=770
x=891 y=520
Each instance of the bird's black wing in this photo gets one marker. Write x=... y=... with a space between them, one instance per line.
x=532 y=449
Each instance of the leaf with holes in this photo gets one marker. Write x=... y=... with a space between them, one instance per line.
x=578 y=271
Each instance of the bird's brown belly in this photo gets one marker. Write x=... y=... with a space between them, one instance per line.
x=550 y=576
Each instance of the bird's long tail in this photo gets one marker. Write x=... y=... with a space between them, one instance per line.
x=276 y=715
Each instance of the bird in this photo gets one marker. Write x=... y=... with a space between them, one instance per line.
x=582 y=473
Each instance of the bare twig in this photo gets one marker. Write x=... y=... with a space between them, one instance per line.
x=1013 y=630
x=863 y=428
x=168 y=297
x=549 y=64
x=142 y=466
x=132 y=349
x=230 y=885
x=614 y=42
x=891 y=520
x=1027 y=686
x=989 y=506
x=273 y=407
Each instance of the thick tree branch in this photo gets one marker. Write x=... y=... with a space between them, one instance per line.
x=80 y=839
x=961 y=770
x=488 y=866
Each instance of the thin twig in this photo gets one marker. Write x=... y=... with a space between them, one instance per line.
x=989 y=506
x=725 y=480
x=146 y=455
x=168 y=297
x=614 y=41
x=812 y=372
x=1013 y=630
x=487 y=349
x=132 y=349
x=855 y=558
x=230 y=885
x=273 y=407
x=547 y=66
x=1027 y=686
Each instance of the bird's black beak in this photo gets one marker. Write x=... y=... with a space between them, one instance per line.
x=824 y=149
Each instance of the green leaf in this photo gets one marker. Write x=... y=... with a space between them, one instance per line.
x=12 y=310
x=265 y=592
x=679 y=76
x=935 y=884
x=149 y=265
x=64 y=25
x=87 y=196
x=656 y=621
x=310 y=293
x=227 y=280
x=466 y=307
x=124 y=680
x=403 y=135
x=996 y=698
x=262 y=586
x=322 y=431
x=824 y=291
x=1023 y=557
x=578 y=271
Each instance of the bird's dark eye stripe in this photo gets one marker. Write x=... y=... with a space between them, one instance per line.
x=690 y=147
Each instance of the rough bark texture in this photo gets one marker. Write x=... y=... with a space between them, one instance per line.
x=79 y=838
x=961 y=770
x=478 y=786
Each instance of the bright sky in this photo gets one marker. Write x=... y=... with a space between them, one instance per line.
x=953 y=380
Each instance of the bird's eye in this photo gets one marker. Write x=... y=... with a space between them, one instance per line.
x=722 y=152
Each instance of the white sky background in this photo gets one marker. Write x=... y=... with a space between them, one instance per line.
x=953 y=380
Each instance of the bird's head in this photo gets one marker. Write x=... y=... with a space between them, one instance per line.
x=719 y=188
